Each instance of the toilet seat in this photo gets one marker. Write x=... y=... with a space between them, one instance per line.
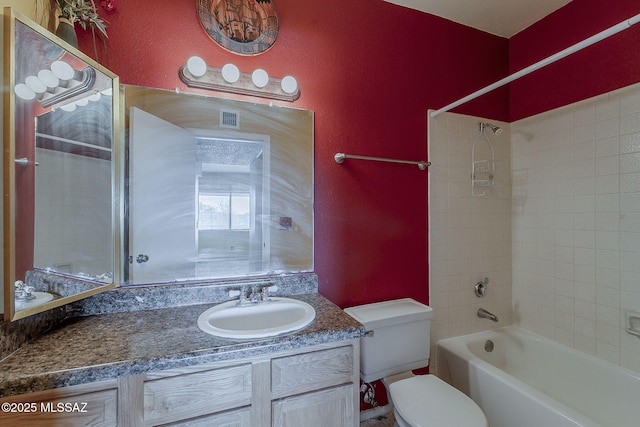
x=426 y=400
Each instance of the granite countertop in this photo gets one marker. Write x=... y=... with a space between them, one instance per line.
x=107 y=346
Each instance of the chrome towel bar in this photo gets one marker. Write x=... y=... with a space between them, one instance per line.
x=340 y=157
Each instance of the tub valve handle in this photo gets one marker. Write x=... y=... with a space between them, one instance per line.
x=482 y=288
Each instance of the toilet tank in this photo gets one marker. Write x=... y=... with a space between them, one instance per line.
x=397 y=337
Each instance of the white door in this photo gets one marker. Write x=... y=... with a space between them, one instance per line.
x=162 y=200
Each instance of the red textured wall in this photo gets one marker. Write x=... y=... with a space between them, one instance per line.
x=608 y=65
x=369 y=70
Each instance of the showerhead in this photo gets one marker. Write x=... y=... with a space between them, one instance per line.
x=496 y=129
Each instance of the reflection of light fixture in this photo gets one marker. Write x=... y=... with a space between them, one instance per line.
x=57 y=84
x=23 y=91
x=65 y=72
x=36 y=85
x=49 y=79
x=197 y=74
x=83 y=102
x=69 y=107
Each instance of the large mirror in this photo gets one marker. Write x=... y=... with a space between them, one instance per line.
x=60 y=109
x=215 y=188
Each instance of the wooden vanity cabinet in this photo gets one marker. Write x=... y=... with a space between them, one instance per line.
x=315 y=388
x=180 y=394
x=310 y=386
x=93 y=404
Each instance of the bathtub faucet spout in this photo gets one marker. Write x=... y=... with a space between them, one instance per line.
x=484 y=314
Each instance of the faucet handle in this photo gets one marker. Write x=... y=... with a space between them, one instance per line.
x=241 y=293
x=264 y=291
x=24 y=292
x=482 y=288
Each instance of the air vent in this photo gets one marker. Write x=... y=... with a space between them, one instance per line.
x=229 y=119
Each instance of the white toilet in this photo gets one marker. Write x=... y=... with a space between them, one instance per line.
x=397 y=341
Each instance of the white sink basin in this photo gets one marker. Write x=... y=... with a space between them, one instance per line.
x=40 y=298
x=278 y=316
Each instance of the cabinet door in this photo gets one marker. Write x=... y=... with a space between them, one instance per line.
x=69 y=407
x=237 y=418
x=304 y=372
x=181 y=397
x=330 y=407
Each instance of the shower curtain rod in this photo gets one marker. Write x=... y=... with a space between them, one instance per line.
x=549 y=60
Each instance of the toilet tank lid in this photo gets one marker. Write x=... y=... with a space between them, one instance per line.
x=389 y=313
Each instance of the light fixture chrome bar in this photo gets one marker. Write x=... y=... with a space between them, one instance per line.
x=88 y=76
x=340 y=157
x=540 y=64
x=213 y=80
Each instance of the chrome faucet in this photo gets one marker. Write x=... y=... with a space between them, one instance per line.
x=24 y=292
x=484 y=314
x=257 y=294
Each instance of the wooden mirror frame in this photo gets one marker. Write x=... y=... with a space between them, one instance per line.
x=9 y=175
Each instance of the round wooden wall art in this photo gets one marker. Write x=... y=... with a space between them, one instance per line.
x=245 y=27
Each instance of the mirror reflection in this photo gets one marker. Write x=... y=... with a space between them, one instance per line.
x=215 y=188
x=73 y=232
x=59 y=137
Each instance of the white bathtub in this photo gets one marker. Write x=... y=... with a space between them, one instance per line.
x=531 y=381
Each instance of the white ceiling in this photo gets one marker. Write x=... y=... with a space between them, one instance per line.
x=500 y=17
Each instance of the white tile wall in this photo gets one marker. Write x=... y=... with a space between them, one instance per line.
x=576 y=224
x=563 y=251
x=469 y=237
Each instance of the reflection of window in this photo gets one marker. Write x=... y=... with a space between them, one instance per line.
x=224 y=211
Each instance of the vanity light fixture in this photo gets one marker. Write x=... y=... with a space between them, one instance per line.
x=59 y=83
x=195 y=73
x=230 y=73
x=197 y=67
x=260 y=78
x=289 y=84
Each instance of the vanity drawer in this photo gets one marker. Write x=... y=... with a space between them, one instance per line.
x=190 y=395
x=311 y=371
